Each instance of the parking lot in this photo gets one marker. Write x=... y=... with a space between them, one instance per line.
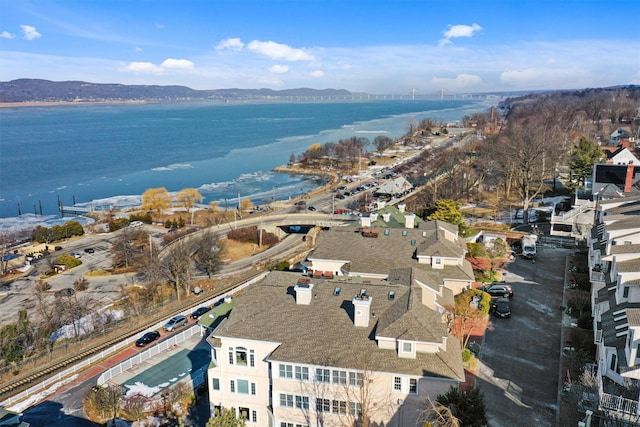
x=520 y=356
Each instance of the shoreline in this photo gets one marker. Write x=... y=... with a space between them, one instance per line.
x=28 y=104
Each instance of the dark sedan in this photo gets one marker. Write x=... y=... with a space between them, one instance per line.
x=199 y=312
x=501 y=307
x=147 y=338
x=498 y=290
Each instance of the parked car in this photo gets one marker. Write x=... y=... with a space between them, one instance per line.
x=498 y=290
x=76 y=255
x=89 y=250
x=147 y=338
x=65 y=292
x=219 y=302
x=199 y=312
x=501 y=307
x=57 y=248
x=340 y=196
x=175 y=322
x=311 y=208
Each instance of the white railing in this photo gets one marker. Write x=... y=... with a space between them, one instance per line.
x=618 y=404
x=148 y=353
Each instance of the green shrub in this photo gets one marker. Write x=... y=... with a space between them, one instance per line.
x=466 y=355
x=477 y=250
x=69 y=260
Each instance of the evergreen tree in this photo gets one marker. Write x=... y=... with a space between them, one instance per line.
x=448 y=210
x=587 y=153
x=466 y=405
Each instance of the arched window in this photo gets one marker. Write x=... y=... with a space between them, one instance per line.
x=241 y=356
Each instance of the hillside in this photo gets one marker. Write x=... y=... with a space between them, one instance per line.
x=36 y=90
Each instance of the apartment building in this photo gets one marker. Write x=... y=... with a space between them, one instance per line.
x=361 y=336
x=614 y=263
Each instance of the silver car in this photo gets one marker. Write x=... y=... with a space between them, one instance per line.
x=175 y=322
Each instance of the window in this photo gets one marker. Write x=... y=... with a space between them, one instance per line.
x=355 y=409
x=397 y=384
x=323 y=405
x=392 y=295
x=339 y=377
x=232 y=386
x=322 y=375
x=286 y=424
x=302 y=373
x=286 y=400
x=614 y=360
x=413 y=386
x=241 y=356
x=437 y=261
x=407 y=347
x=215 y=383
x=286 y=371
x=243 y=386
x=337 y=290
x=243 y=413
x=254 y=416
x=625 y=292
x=252 y=358
x=230 y=355
x=302 y=402
x=356 y=378
x=339 y=407
x=253 y=389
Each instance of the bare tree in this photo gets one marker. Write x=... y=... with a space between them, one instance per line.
x=436 y=414
x=177 y=267
x=206 y=249
x=128 y=246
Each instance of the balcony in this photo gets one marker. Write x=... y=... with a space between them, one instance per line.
x=597 y=276
x=618 y=406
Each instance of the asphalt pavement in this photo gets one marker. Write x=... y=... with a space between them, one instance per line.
x=519 y=365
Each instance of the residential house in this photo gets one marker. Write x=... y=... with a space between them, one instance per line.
x=362 y=335
x=621 y=156
x=299 y=351
x=614 y=262
x=617 y=136
x=394 y=188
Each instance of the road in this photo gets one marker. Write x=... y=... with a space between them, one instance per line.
x=520 y=357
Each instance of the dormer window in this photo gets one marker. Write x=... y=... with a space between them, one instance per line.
x=407 y=349
x=392 y=295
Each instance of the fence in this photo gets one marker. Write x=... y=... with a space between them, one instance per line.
x=31 y=396
x=147 y=354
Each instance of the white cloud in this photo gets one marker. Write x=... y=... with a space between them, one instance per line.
x=455 y=31
x=317 y=73
x=143 y=67
x=7 y=35
x=138 y=49
x=151 y=68
x=461 y=81
x=231 y=44
x=177 y=64
x=29 y=32
x=279 y=69
x=279 y=51
x=159 y=26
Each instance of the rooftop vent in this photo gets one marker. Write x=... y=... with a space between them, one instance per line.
x=392 y=295
x=386 y=232
x=336 y=291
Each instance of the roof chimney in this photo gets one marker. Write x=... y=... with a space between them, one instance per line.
x=361 y=309
x=629 y=178
x=386 y=216
x=401 y=207
x=365 y=221
x=303 y=293
x=409 y=220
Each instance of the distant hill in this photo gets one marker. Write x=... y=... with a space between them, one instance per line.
x=37 y=90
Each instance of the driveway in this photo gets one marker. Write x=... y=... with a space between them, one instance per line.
x=520 y=357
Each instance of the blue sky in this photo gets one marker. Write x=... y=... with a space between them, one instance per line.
x=374 y=46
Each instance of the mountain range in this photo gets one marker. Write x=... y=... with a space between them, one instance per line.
x=38 y=90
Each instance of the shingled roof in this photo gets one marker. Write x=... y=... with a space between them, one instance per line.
x=323 y=332
x=393 y=248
